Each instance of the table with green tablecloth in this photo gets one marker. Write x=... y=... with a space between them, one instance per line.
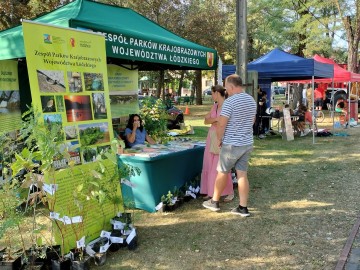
x=159 y=174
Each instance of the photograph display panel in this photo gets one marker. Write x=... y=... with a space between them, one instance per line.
x=68 y=80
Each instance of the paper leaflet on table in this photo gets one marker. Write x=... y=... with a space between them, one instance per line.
x=127 y=183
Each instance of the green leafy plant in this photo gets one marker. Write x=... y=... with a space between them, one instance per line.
x=12 y=217
x=117 y=146
x=154 y=116
x=168 y=198
x=178 y=192
x=43 y=143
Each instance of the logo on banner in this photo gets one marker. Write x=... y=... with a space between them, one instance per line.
x=72 y=42
x=47 y=39
x=210 y=59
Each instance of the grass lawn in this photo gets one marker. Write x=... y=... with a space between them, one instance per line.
x=303 y=200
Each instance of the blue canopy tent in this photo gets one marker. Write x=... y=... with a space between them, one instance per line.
x=278 y=65
x=228 y=70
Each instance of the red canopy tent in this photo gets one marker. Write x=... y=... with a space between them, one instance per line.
x=340 y=74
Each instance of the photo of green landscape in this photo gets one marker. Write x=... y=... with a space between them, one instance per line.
x=94 y=133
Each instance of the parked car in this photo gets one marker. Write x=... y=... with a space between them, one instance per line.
x=207 y=92
x=175 y=115
x=278 y=90
x=334 y=94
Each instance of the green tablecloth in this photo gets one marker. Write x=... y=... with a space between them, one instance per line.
x=159 y=175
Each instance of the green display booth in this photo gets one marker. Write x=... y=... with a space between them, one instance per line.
x=158 y=175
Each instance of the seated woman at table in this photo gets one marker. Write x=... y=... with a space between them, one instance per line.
x=304 y=116
x=135 y=132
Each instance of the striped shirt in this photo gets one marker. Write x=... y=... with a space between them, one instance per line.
x=240 y=109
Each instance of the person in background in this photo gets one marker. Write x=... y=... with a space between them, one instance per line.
x=322 y=88
x=262 y=122
x=135 y=132
x=260 y=94
x=303 y=115
x=235 y=136
x=176 y=99
x=210 y=161
x=168 y=102
x=341 y=107
x=318 y=99
x=309 y=96
x=304 y=99
x=186 y=99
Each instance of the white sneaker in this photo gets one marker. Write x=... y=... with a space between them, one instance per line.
x=306 y=132
x=302 y=134
x=353 y=123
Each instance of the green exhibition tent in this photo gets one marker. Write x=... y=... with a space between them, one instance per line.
x=131 y=38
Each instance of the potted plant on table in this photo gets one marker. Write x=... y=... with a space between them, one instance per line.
x=154 y=115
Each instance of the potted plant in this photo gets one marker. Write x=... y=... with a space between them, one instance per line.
x=188 y=194
x=178 y=195
x=168 y=201
x=10 y=257
x=42 y=147
x=122 y=223
x=44 y=142
x=80 y=260
x=12 y=200
x=154 y=115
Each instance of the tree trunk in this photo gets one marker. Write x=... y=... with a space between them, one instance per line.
x=353 y=56
x=160 y=83
x=182 y=74
x=351 y=25
x=297 y=94
x=198 y=87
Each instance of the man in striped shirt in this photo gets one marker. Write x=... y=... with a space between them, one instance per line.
x=235 y=135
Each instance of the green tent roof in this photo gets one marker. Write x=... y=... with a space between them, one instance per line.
x=130 y=37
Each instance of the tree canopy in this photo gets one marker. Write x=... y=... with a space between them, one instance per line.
x=302 y=27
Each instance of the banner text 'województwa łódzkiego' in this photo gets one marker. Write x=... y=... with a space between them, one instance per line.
x=133 y=48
